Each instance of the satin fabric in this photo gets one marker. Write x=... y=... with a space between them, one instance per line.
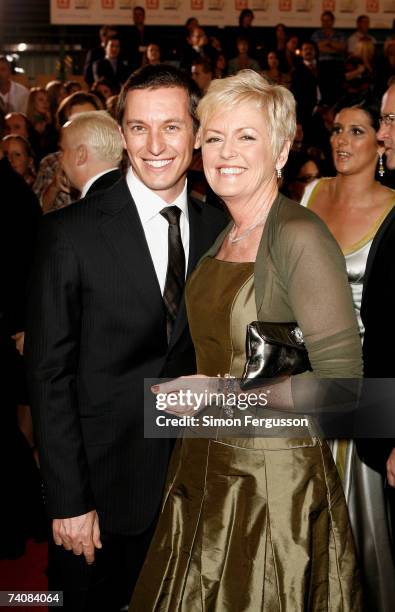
x=363 y=486
x=248 y=524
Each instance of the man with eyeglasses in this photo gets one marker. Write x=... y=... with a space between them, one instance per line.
x=387 y=126
x=377 y=313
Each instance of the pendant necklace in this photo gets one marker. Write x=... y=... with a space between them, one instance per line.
x=235 y=239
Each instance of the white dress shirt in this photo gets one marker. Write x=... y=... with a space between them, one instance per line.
x=15 y=100
x=156 y=227
x=87 y=185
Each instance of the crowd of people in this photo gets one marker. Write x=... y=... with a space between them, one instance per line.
x=116 y=189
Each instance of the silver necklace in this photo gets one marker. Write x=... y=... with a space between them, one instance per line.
x=235 y=239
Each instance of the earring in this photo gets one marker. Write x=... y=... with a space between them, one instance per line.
x=279 y=173
x=381 y=166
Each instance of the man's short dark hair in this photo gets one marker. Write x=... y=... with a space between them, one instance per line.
x=328 y=14
x=204 y=63
x=160 y=76
x=361 y=18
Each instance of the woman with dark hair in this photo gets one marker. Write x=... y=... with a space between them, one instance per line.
x=246 y=30
x=353 y=205
x=39 y=114
x=242 y=61
x=57 y=93
x=300 y=170
x=103 y=89
x=280 y=37
x=271 y=70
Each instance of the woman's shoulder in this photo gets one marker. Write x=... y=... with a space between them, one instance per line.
x=295 y=224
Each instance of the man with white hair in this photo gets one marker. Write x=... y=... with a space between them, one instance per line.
x=91 y=151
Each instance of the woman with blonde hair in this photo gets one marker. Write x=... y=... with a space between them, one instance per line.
x=39 y=114
x=20 y=155
x=257 y=523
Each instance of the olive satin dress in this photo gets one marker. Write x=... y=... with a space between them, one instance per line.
x=248 y=524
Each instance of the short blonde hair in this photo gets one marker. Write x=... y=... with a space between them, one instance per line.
x=276 y=102
x=99 y=132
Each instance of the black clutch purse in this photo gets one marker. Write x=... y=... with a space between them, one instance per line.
x=273 y=350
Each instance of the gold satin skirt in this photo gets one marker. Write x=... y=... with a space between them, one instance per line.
x=247 y=529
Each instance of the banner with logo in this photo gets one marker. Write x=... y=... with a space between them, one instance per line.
x=293 y=13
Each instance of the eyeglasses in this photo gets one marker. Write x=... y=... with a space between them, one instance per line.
x=387 y=119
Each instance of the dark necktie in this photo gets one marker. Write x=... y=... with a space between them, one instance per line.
x=175 y=276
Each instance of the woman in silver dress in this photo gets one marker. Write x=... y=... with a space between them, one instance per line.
x=353 y=205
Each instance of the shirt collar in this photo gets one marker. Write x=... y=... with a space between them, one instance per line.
x=89 y=184
x=148 y=203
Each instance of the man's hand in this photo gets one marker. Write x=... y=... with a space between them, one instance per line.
x=81 y=534
x=391 y=468
x=19 y=338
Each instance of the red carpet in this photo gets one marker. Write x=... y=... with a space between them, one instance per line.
x=26 y=573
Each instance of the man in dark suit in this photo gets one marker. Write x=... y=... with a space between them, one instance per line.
x=91 y=151
x=304 y=86
x=106 y=311
x=97 y=53
x=377 y=311
x=112 y=66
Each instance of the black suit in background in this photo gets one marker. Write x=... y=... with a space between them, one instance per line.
x=377 y=313
x=96 y=329
x=103 y=68
x=105 y=181
x=21 y=506
x=304 y=87
x=97 y=53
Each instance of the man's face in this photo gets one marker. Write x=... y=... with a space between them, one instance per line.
x=113 y=48
x=5 y=73
x=138 y=16
x=363 y=25
x=158 y=136
x=308 y=52
x=386 y=132
x=327 y=22
x=197 y=37
x=68 y=156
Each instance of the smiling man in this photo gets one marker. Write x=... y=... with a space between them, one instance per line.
x=109 y=277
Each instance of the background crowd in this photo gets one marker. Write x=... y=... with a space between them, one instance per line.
x=325 y=71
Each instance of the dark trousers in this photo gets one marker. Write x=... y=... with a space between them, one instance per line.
x=107 y=584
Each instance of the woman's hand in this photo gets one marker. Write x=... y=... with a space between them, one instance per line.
x=187 y=395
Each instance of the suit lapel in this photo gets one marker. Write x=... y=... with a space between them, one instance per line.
x=124 y=234
x=373 y=250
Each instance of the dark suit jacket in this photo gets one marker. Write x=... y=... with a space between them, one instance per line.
x=304 y=88
x=104 y=182
x=377 y=313
x=92 y=56
x=104 y=68
x=96 y=329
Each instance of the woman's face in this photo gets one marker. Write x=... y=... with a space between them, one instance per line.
x=104 y=90
x=353 y=141
x=242 y=47
x=17 y=156
x=41 y=103
x=272 y=60
x=221 y=62
x=237 y=153
x=292 y=44
x=153 y=53
x=307 y=173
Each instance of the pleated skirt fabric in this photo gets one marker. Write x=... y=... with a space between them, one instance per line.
x=251 y=529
